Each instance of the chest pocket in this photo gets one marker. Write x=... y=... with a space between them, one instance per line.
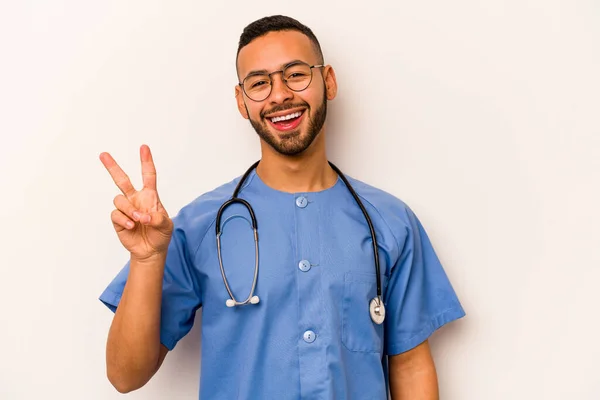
x=359 y=332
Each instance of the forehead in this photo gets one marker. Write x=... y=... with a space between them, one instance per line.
x=271 y=51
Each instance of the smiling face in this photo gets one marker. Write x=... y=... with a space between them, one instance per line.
x=287 y=120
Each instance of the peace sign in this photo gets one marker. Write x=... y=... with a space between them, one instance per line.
x=141 y=222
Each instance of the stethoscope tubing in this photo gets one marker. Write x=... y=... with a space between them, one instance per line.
x=235 y=199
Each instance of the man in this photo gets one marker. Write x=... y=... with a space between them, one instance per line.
x=308 y=325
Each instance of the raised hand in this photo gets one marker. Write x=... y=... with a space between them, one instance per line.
x=140 y=220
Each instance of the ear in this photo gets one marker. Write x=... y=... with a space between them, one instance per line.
x=330 y=82
x=239 y=98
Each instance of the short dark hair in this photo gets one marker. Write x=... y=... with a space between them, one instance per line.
x=276 y=23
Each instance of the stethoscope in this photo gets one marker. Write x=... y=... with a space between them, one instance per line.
x=376 y=307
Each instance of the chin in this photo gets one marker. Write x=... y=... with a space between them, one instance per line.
x=294 y=146
x=290 y=143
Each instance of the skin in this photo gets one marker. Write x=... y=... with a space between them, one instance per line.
x=290 y=161
x=133 y=350
x=413 y=375
x=307 y=170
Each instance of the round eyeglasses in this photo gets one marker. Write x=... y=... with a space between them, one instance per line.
x=297 y=76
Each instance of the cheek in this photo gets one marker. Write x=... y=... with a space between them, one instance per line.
x=254 y=111
x=314 y=101
x=314 y=95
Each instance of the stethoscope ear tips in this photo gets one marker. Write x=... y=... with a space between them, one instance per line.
x=231 y=303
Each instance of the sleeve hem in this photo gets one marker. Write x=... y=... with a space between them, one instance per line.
x=110 y=299
x=168 y=341
x=435 y=323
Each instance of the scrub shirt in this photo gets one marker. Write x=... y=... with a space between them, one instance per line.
x=311 y=335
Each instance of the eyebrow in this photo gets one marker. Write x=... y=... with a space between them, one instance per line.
x=265 y=72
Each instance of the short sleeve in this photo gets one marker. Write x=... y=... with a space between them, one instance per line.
x=181 y=295
x=419 y=298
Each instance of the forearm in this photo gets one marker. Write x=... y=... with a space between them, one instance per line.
x=133 y=348
x=417 y=385
x=413 y=375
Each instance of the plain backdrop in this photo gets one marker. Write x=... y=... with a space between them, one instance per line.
x=483 y=116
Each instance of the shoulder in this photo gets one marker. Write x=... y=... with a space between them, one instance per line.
x=196 y=217
x=384 y=202
x=394 y=212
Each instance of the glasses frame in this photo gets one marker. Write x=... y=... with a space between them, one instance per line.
x=269 y=75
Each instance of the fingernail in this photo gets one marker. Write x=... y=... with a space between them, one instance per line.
x=146 y=219
x=129 y=224
x=136 y=215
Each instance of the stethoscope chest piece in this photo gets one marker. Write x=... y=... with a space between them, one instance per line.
x=377 y=310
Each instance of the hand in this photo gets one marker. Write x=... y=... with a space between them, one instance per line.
x=141 y=222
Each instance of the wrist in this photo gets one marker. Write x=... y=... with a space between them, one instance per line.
x=151 y=260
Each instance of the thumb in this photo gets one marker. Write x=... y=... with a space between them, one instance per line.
x=160 y=221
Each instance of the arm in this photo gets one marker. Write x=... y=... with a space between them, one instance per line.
x=420 y=300
x=413 y=375
x=133 y=351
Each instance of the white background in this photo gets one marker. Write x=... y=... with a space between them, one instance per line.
x=482 y=115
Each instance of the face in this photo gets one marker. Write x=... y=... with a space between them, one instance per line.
x=287 y=120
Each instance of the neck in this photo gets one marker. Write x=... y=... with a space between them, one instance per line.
x=307 y=172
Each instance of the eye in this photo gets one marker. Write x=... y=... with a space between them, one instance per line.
x=296 y=75
x=257 y=84
x=297 y=72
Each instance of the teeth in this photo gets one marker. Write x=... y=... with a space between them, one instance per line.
x=286 y=117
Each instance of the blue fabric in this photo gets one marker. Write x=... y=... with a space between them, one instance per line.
x=258 y=351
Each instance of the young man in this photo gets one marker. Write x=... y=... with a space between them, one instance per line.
x=303 y=312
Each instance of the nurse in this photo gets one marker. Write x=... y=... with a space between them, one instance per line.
x=308 y=328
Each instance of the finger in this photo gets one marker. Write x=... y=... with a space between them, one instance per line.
x=119 y=177
x=125 y=206
x=120 y=221
x=158 y=220
x=148 y=168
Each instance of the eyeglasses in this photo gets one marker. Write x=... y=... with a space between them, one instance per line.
x=297 y=76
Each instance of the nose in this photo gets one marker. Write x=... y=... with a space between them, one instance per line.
x=280 y=93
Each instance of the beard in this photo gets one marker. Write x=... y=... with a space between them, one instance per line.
x=294 y=142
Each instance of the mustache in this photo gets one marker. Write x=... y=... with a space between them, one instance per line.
x=283 y=107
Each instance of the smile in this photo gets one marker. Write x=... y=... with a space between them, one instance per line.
x=286 y=122
x=286 y=117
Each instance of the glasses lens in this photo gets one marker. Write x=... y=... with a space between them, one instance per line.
x=257 y=87
x=298 y=76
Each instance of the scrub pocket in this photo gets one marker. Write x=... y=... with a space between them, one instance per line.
x=359 y=332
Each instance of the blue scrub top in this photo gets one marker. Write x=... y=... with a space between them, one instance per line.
x=311 y=335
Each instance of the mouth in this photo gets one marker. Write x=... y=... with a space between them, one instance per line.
x=286 y=122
